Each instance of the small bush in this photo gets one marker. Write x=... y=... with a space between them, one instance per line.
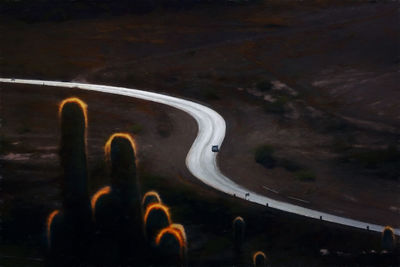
x=264 y=86
x=340 y=145
x=290 y=165
x=136 y=128
x=372 y=158
x=210 y=94
x=305 y=175
x=277 y=107
x=5 y=144
x=264 y=156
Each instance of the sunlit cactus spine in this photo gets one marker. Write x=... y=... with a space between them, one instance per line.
x=239 y=227
x=149 y=198
x=171 y=245
x=388 y=239
x=155 y=219
x=259 y=259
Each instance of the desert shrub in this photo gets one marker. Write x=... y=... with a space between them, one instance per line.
x=340 y=145
x=289 y=165
x=264 y=86
x=264 y=155
x=371 y=158
x=210 y=93
x=5 y=144
x=384 y=163
x=277 y=107
x=305 y=175
x=136 y=128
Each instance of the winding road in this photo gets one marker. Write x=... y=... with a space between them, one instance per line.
x=200 y=160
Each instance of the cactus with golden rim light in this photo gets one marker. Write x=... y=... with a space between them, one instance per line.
x=388 y=239
x=73 y=122
x=149 y=198
x=69 y=229
x=259 y=259
x=120 y=150
x=239 y=227
x=156 y=218
x=171 y=244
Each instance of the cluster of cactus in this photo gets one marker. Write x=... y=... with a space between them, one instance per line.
x=168 y=240
x=114 y=209
x=113 y=218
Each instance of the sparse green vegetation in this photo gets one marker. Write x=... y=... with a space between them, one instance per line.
x=23 y=129
x=383 y=162
x=210 y=94
x=340 y=144
x=372 y=158
x=278 y=106
x=136 y=128
x=264 y=156
x=289 y=165
x=305 y=175
x=264 y=86
x=5 y=144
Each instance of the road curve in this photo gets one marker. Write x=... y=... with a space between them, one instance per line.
x=200 y=160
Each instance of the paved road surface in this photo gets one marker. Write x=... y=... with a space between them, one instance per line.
x=200 y=160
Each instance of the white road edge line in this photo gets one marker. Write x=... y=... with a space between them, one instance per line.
x=299 y=199
x=269 y=189
x=200 y=160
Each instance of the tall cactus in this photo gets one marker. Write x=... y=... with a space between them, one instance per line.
x=388 y=239
x=74 y=221
x=171 y=244
x=73 y=118
x=259 y=259
x=239 y=227
x=150 y=198
x=121 y=206
x=156 y=218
